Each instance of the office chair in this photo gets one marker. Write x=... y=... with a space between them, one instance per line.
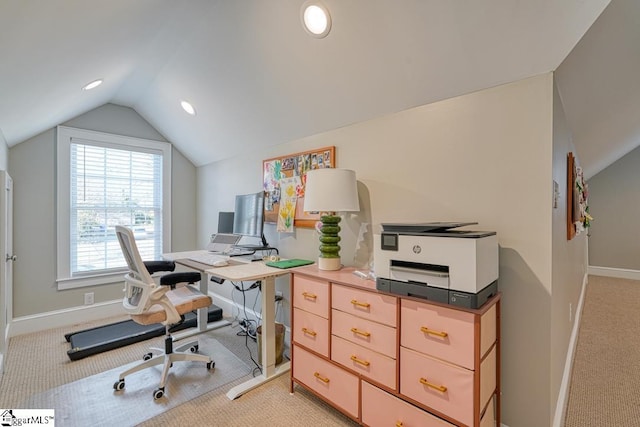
x=148 y=302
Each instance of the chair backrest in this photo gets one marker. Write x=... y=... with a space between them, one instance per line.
x=139 y=284
x=132 y=255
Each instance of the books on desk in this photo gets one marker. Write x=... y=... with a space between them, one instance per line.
x=239 y=251
x=289 y=263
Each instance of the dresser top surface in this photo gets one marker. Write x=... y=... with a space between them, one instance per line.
x=346 y=276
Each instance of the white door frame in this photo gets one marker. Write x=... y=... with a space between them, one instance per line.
x=6 y=263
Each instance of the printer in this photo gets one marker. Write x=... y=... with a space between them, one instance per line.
x=436 y=262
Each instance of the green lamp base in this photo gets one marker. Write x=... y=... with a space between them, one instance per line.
x=329 y=248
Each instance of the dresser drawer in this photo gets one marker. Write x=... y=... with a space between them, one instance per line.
x=439 y=385
x=311 y=330
x=380 y=408
x=311 y=295
x=333 y=383
x=438 y=331
x=368 y=363
x=366 y=333
x=366 y=304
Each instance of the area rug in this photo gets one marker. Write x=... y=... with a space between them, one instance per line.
x=102 y=405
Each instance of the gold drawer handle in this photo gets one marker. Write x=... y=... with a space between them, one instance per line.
x=432 y=332
x=309 y=332
x=310 y=296
x=321 y=378
x=361 y=304
x=359 y=332
x=360 y=361
x=399 y=424
x=440 y=388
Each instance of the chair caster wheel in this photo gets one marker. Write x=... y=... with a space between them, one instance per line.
x=211 y=365
x=118 y=385
x=194 y=349
x=158 y=393
x=147 y=356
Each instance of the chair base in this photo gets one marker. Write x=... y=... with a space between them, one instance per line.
x=185 y=352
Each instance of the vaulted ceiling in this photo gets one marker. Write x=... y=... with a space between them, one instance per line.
x=256 y=78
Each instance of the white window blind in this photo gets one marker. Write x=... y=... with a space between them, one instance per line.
x=104 y=180
x=112 y=187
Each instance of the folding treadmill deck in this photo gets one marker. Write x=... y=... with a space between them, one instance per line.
x=108 y=337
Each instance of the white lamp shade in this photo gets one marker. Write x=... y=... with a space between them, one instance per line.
x=331 y=190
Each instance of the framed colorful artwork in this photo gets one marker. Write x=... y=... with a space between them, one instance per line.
x=578 y=216
x=284 y=181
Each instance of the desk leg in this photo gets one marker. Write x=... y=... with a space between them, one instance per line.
x=268 y=340
x=203 y=313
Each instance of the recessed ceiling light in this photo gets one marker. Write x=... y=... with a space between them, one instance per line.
x=316 y=19
x=92 y=85
x=186 y=106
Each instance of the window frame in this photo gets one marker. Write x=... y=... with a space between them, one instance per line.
x=64 y=137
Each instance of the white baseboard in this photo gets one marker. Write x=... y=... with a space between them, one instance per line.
x=67 y=317
x=621 y=273
x=563 y=393
x=88 y=313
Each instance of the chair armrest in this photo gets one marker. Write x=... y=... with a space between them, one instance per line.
x=173 y=279
x=155 y=266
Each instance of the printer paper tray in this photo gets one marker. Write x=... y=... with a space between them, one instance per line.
x=438 y=279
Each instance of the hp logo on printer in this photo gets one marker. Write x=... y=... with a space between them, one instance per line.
x=417 y=249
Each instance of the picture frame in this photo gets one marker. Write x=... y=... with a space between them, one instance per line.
x=288 y=174
x=571 y=196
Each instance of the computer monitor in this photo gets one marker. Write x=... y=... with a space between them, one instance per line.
x=225 y=222
x=248 y=218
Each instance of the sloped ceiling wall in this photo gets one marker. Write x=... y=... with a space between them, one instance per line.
x=600 y=89
x=255 y=77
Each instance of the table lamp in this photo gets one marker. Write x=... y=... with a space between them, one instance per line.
x=329 y=191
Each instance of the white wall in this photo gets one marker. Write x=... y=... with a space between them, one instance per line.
x=485 y=157
x=614 y=202
x=569 y=264
x=32 y=166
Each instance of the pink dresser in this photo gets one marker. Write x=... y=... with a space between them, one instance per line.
x=387 y=360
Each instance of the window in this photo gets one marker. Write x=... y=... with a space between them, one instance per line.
x=106 y=180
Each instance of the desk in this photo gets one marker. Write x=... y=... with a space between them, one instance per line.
x=240 y=272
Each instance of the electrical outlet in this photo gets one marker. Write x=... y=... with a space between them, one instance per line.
x=88 y=298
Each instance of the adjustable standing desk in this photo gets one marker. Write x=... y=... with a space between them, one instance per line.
x=259 y=271
x=236 y=272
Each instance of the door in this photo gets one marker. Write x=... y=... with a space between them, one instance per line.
x=6 y=264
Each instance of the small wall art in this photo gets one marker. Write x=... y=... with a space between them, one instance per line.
x=578 y=216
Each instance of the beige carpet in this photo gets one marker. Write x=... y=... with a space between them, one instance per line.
x=37 y=364
x=605 y=384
